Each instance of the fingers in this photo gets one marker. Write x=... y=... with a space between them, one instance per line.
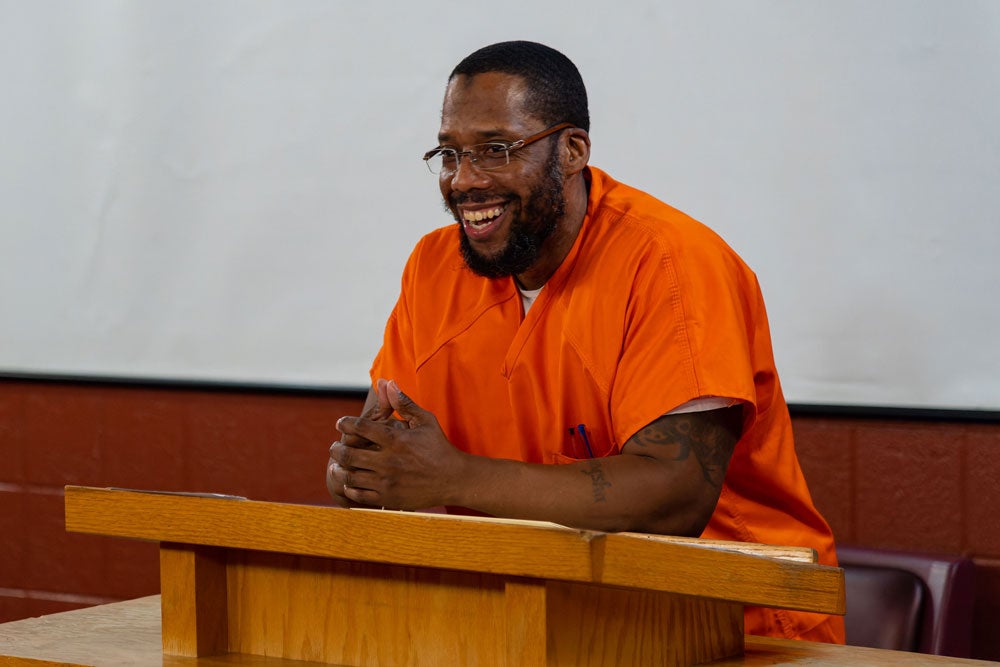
x=350 y=487
x=351 y=457
x=367 y=460
x=406 y=407
x=369 y=433
x=335 y=487
x=352 y=438
x=381 y=409
x=363 y=496
x=356 y=441
x=353 y=478
x=381 y=387
x=350 y=479
x=395 y=396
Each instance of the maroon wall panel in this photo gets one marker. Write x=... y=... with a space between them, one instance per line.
x=913 y=485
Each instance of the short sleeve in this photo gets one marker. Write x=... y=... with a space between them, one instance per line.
x=687 y=333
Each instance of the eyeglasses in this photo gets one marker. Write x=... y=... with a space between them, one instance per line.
x=489 y=156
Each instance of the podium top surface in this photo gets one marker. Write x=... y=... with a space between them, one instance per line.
x=513 y=548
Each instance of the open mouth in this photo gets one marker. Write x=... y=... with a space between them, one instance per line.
x=480 y=223
x=482 y=217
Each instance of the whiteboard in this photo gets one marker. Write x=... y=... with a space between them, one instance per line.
x=227 y=191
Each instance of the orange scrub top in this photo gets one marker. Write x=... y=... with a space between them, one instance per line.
x=650 y=309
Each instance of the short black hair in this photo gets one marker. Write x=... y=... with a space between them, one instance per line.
x=556 y=93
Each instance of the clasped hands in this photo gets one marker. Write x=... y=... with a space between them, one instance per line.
x=395 y=463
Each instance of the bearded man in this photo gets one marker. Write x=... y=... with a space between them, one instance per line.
x=572 y=349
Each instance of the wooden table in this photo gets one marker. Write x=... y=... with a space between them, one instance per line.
x=128 y=634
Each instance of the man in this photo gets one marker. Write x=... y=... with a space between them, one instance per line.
x=569 y=319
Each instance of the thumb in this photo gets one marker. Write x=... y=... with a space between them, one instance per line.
x=382 y=408
x=404 y=405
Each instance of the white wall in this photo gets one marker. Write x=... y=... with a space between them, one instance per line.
x=228 y=190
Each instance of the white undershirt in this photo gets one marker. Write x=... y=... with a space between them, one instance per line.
x=528 y=296
x=703 y=404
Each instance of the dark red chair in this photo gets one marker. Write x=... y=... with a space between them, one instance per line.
x=908 y=601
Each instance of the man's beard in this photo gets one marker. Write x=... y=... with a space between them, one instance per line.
x=545 y=206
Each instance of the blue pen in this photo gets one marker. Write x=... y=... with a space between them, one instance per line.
x=586 y=441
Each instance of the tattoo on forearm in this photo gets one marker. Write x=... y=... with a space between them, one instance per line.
x=711 y=441
x=595 y=471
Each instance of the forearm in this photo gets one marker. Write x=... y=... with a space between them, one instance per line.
x=615 y=493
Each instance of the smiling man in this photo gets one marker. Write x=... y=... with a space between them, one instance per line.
x=574 y=350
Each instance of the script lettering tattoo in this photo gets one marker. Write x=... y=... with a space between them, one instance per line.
x=596 y=473
x=709 y=435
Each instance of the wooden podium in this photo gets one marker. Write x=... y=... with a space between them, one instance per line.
x=357 y=587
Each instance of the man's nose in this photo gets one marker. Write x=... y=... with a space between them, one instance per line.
x=467 y=176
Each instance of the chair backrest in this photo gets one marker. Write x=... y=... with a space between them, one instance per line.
x=908 y=601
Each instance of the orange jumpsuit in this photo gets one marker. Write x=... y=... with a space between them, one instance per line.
x=649 y=310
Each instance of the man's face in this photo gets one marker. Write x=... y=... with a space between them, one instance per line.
x=518 y=206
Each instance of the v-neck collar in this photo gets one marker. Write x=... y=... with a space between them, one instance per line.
x=554 y=286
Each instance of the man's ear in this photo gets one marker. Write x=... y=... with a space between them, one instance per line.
x=576 y=151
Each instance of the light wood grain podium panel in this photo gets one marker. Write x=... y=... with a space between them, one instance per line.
x=396 y=615
x=349 y=587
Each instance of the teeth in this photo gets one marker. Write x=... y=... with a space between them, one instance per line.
x=479 y=216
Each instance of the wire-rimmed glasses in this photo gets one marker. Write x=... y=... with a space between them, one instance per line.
x=488 y=156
